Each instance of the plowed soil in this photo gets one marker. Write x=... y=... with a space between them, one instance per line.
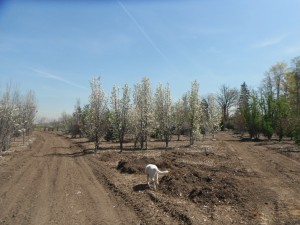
x=59 y=180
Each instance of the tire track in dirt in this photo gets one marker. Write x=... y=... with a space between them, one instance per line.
x=15 y=189
x=102 y=174
x=275 y=181
x=98 y=198
x=20 y=166
x=28 y=196
x=53 y=186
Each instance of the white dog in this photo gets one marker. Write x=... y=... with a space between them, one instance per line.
x=152 y=173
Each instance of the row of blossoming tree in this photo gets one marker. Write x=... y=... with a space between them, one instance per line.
x=141 y=112
x=17 y=113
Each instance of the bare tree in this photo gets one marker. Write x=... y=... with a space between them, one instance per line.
x=227 y=98
x=277 y=74
x=66 y=121
x=77 y=123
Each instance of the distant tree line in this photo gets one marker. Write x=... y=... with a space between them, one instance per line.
x=17 y=114
x=274 y=107
x=141 y=112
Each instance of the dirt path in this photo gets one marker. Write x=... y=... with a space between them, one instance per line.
x=49 y=184
x=275 y=184
x=61 y=181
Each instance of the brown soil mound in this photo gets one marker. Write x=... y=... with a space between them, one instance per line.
x=138 y=165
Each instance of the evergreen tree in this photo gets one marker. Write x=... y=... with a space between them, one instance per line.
x=253 y=117
x=243 y=106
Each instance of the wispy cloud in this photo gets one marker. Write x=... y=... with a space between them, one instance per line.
x=140 y=28
x=270 y=41
x=55 y=77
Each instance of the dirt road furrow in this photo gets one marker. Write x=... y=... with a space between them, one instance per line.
x=225 y=181
x=17 y=168
x=121 y=200
x=96 y=197
x=23 y=190
x=274 y=179
x=54 y=187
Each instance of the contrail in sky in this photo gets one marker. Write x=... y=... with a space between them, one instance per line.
x=58 y=78
x=148 y=38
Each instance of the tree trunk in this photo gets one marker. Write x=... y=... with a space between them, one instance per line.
x=167 y=139
x=97 y=142
x=121 y=146
x=146 y=142
x=191 y=137
x=142 y=141
x=121 y=140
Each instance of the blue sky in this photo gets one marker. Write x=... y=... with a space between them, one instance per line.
x=56 y=47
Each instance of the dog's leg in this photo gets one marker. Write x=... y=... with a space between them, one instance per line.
x=148 y=180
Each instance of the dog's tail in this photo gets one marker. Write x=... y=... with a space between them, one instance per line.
x=163 y=172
